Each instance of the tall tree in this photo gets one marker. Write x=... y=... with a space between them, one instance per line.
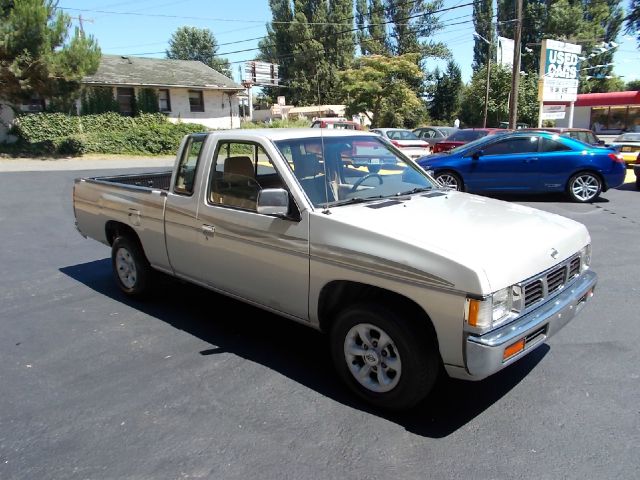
x=471 y=111
x=277 y=46
x=483 y=24
x=37 y=57
x=193 y=43
x=445 y=93
x=378 y=87
x=372 y=33
x=633 y=20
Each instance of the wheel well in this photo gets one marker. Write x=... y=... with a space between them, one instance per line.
x=603 y=184
x=453 y=171
x=340 y=293
x=117 y=229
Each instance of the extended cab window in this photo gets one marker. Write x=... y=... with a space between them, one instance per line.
x=240 y=171
x=186 y=174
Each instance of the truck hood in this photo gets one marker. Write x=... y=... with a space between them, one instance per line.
x=470 y=243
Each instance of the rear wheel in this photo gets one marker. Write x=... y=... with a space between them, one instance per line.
x=584 y=187
x=131 y=268
x=384 y=358
x=449 y=180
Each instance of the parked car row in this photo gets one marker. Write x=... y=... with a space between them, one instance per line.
x=529 y=162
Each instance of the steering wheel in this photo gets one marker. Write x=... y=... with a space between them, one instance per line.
x=359 y=182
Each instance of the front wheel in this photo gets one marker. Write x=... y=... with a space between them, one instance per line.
x=383 y=357
x=131 y=268
x=584 y=187
x=449 y=180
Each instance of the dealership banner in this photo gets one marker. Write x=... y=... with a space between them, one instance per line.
x=559 y=70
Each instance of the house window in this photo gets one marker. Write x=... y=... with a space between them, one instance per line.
x=164 y=100
x=34 y=105
x=196 y=102
x=125 y=100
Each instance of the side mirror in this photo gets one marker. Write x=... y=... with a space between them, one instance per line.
x=273 y=201
x=601 y=142
x=477 y=154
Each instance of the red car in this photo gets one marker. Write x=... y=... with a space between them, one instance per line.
x=463 y=136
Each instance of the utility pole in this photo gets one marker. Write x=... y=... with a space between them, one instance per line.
x=515 y=77
x=486 y=93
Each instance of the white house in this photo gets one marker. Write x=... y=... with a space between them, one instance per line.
x=187 y=90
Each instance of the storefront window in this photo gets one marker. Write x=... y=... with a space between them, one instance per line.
x=633 y=119
x=599 y=119
x=617 y=118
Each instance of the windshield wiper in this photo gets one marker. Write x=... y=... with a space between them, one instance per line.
x=412 y=191
x=351 y=201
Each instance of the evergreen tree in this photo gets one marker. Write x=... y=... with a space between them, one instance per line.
x=277 y=46
x=37 y=57
x=446 y=91
x=633 y=19
x=483 y=24
x=147 y=101
x=372 y=37
x=192 y=43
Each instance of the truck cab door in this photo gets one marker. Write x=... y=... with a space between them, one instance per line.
x=259 y=258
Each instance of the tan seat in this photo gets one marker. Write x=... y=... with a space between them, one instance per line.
x=239 y=187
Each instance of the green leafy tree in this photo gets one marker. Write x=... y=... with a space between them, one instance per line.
x=378 y=87
x=37 y=55
x=192 y=43
x=372 y=37
x=633 y=20
x=471 y=111
x=445 y=93
x=632 y=85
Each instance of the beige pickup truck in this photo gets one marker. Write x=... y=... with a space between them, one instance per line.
x=340 y=231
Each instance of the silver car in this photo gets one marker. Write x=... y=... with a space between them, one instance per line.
x=407 y=141
x=433 y=134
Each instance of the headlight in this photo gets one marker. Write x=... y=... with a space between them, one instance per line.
x=585 y=258
x=493 y=311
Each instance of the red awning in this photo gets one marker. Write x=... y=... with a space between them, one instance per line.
x=607 y=99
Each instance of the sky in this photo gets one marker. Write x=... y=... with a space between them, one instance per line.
x=144 y=27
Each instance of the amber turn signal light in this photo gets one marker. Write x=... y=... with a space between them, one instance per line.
x=512 y=349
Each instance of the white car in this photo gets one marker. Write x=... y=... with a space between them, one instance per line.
x=407 y=141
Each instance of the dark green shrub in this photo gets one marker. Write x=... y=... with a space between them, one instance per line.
x=147 y=101
x=72 y=146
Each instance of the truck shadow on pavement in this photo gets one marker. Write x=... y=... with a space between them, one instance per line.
x=298 y=352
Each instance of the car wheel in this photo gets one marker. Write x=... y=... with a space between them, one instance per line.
x=383 y=357
x=450 y=180
x=584 y=187
x=131 y=268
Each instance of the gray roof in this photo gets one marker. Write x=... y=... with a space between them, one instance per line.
x=158 y=72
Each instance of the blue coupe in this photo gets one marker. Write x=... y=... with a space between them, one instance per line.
x=528 y=162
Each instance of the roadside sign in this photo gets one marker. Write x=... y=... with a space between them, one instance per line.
x=559 y=69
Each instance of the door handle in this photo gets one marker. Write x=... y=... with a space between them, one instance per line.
x=208 y=230
x=531 y=159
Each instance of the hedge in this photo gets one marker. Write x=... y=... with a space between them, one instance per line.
x=150 y=134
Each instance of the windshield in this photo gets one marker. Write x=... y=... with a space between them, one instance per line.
x=468 y=146
x=402 y=135
x=628 y=137
x=349 y=169
x=467 y=135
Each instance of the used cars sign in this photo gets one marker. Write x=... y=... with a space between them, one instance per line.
x=559 y=67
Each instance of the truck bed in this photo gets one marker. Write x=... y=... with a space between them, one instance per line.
x=160 y=180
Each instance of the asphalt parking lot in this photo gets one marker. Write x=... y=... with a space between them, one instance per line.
x=96 y=386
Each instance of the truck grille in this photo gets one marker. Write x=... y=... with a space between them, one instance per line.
x=553 y=280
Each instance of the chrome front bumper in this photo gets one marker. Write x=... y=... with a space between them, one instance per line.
x=484 y=354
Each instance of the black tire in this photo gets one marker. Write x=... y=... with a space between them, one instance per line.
x=130 y=266
x=450 y=179
x=584 y=187
x=411 y=350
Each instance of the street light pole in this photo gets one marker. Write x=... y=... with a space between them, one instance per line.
x=486 y=93
x=515 y=78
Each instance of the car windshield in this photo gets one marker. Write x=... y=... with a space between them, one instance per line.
x=348 y=169
x=467 y=146
x=402 y=135
x=467 y=135
x=628 y=137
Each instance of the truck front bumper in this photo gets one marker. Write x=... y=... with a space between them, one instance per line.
x=485 y=354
